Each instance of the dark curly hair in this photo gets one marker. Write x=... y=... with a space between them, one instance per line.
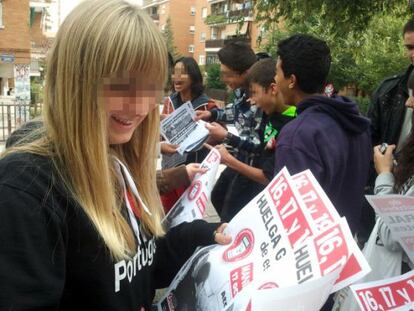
x=308 y=58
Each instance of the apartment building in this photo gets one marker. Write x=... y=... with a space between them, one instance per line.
x=181 y=14
x=227 y=19
x=24 y=41
x=201 y=27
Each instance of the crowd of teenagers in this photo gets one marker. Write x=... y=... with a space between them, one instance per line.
x=81 y=201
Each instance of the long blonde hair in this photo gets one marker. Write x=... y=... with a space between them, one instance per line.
x=97 y=39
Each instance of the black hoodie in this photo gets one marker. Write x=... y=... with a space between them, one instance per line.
x=332 y=139
x=52 y=258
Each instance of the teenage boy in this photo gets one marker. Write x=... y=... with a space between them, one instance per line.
x=263 y=93
x=329 y=136
x=233 y=189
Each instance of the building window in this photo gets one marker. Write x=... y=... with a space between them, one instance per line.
x=202 y=60
x=213 y=33
x=191 y=48
x=193 y=10
x=1 y=14
x=203 y=37
x=204 y=12
x=192 y=29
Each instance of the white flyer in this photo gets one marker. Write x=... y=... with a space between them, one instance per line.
x=179 y=128
x=397 y=211
x=193 y=202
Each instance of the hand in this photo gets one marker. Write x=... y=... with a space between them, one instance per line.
x=410 y=102
x=167 y=148
x=163 y=116
x=216 y=131
x=383 y=162
x=195 y=168
x=220 y=237
x=202 y=115
x=226 y=157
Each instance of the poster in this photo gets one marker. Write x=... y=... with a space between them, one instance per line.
x=193 y=202
x=284 y=238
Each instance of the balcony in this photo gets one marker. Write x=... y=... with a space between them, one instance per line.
x=213 y=44
x=219 y=43
x=228 y=17
x=39 y=4
x=240 y=13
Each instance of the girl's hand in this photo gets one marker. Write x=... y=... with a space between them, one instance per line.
x=167 y=148
x=194 y=169
x=383 y=162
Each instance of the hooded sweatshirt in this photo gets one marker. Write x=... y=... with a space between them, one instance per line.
x=332 y=139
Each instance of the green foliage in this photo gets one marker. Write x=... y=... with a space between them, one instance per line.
x=363 y=59
x=213 y=77
x=363 y=103
x=36 y=90
x=169 y=39
x=339 y=17
x=215 y=19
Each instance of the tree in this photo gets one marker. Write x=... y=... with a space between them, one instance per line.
x=213 y=77
x=169 y=38
x=361 y=59
x=340 y=17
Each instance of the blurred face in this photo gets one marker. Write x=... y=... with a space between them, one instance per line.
x=181 y=79
x=284 y=84
x=409 y=45
x=231 y=78
x=128 y=101
x=262 y=97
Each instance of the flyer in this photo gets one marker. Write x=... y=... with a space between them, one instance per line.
x=179 y=128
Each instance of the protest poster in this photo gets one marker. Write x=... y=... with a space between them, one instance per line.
x=397 y=212
x=323 y=214
x=179 y=128
x=275 y=241
x=395 y=293
x=193 y=202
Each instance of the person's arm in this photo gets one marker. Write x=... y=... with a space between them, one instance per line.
x=32 y=252
x=251 y=143
x=172 y=178
x=177 y=177
x=179 y=243
x=253 y=173
x=225 y=115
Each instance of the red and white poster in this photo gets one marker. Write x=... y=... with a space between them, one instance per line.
x=289 y=235
x=193 y=202
x=396 y=293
